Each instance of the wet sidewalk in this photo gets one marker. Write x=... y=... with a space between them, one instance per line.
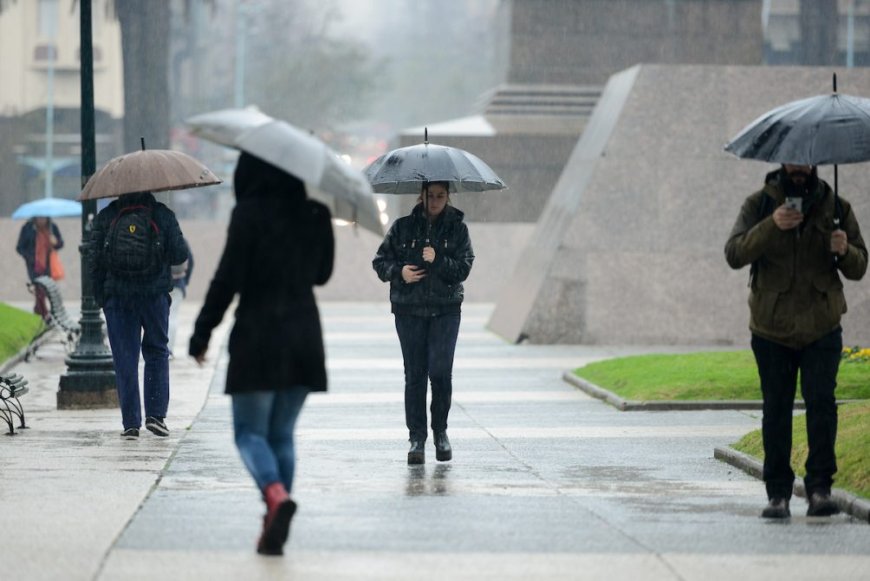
x=546 y=483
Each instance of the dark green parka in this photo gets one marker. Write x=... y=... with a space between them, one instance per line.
x=796 y=296
x=441 y=292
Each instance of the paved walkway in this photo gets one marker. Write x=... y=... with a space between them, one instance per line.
x=546 y=483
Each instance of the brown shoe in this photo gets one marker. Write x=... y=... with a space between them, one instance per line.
x=276 y=524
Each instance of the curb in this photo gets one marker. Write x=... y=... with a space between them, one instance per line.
x=627 y=405
x=43 y=338
x=855 y=506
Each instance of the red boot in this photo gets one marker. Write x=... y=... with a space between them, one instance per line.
x=276 y=523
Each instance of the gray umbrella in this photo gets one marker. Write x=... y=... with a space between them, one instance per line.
x=823 y=130
x=407 y=169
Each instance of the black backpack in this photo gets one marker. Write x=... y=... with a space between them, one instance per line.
x=133 y=249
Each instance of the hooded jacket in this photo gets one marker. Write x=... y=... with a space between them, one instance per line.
x=279 y=245
x=441 y=292
x=174 y=250
x=796 y=296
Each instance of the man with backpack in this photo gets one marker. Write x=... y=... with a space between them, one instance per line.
x=797 y=234
x=136 y=246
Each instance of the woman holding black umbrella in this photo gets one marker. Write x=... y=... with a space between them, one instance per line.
x=425 y=257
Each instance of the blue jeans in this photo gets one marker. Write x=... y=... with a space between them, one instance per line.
x=263 y=422
x=137 y=324
x=428 y=345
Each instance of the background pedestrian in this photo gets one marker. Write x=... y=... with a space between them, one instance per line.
x=425 y=257
x=136 y=246
x=38 y=243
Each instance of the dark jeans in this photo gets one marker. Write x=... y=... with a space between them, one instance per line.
x=263 y=422
x=428 y=344
x=778 y=368
x=137 y=324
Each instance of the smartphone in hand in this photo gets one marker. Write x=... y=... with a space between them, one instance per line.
x=794 y=204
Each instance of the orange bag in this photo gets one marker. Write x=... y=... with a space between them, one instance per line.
x=55 y=267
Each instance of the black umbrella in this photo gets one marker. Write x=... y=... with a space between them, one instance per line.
x=823 y=130
x=407 y=169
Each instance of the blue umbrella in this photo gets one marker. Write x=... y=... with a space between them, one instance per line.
x=48 y=208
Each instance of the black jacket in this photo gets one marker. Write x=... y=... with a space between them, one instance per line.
x=174 y=250
x=441 y=292
x=26 y=246
x=279 y=245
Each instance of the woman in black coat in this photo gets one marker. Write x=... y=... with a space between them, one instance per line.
x=425 y=257
x=279 y=245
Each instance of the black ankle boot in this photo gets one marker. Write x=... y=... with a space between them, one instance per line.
x=443 y=451
x=417 y=453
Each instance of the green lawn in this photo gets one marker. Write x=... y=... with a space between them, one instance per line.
x=714 y=375
x=17 y=328
x=853 y=444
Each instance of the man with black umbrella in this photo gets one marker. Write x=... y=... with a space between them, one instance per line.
x=796 y=233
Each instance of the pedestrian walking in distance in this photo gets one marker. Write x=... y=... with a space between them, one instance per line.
x=279 y=245
x=425 y=257
x=136 y=248
x=786 y=232
x=38 y=239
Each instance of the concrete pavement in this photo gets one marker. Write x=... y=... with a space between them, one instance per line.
x=546 y=482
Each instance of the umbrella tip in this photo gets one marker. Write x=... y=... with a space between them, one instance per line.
x=425 y=135
x=142 y=141
x=835 y=82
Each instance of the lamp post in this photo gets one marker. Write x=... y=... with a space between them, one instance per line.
x=90 y=378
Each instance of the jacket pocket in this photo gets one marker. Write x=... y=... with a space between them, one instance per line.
x=762 y=306
x=831 y=287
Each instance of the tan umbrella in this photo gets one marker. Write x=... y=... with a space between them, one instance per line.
x=150 y=170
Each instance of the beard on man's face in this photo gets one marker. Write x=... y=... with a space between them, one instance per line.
x=799 y=182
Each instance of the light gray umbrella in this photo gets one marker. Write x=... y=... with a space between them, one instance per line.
x=327 y=177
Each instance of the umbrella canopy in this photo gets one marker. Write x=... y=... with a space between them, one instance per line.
x=150 y=170
x=48 y=208
x=405 y=170
x=327 y=177
x=822 y=130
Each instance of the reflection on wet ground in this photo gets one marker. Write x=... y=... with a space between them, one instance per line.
x=425 y=481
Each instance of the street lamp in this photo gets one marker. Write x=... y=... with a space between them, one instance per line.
x=90 y=378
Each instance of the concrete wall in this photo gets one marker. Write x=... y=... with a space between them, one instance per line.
x=630 y=246
x=585 y=41
x=497 y=248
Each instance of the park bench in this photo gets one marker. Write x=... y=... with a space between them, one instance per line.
x=11 y=388
x=58 y=318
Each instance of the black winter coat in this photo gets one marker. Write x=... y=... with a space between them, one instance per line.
x=174 y=250
x=441 y=292
x=26 y=246
x=279 y=245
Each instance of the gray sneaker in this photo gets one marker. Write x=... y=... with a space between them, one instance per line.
x=156 y=426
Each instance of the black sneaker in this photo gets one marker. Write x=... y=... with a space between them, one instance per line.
x=417 y=453
x=776 y=508
x=443 y=451
x=821 y=504
x=156 y=426
x=130 y=434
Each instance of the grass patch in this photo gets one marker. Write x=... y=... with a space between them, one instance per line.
x=17 y=328
x=853 y=443
x=716 y=375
